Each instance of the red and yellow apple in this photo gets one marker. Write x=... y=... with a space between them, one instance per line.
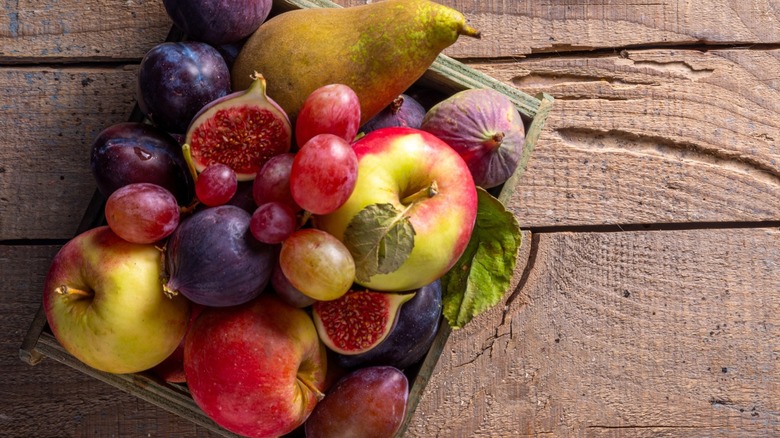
x=426 y=180
x=105 y=304
x=257 y=369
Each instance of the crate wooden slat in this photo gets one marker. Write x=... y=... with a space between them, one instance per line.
x=445 y=76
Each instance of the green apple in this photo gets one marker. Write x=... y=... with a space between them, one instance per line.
x=411 y=213
x=104 y=301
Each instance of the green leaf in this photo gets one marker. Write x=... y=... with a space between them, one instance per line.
x=483 y=273
x=380 y=239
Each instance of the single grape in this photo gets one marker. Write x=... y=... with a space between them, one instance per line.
x=323 y=174
x=317 y=264
x=330 y=109
x=272 y=183
x=273 y=222
x=142 y=213
x=287 y=292
x=216 y=185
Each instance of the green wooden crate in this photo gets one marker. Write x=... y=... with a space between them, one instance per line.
x=445 y=77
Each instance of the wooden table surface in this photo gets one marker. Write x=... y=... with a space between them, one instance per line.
x=649 y=302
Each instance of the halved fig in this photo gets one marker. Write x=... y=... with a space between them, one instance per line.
x=358 y=321
x=242 y=130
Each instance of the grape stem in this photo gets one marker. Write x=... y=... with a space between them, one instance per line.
x=71 y=291
x=425 y=193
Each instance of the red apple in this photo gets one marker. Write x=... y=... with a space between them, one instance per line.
x=428 y=184
x=257 y=369
x=105 y=303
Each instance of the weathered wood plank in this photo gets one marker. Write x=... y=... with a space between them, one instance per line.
x=520 y=28
x=49 y=118
x=652 y=136
x=75 y=30
x=55 y=31
x=622 y=334
x=50 y=399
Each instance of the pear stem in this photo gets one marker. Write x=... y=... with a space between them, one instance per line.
x=469 y=31
x=424 y=193
x=71 y=291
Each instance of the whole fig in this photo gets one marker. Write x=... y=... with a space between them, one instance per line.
x=213 y=260
x=485 y=128
x=403 y=111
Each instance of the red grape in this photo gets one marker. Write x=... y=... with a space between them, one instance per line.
x=272 y=183
x=330 y=109
x=273 y=222
x=317 y=264
x=142 y=213
x=323 y=174
x=216 y=185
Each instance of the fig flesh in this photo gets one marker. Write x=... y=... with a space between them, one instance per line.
x=357 y=321
x=412 y=336
x=485 y=128
x=403 y=111
x=213 y=260
x=242 y=130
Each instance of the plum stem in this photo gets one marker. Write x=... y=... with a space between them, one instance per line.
x=424 y=193
x=187 y=151
x=71 y=291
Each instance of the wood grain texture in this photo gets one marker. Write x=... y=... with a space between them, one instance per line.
x=622 y=334
x=49 y=118
x=652 y=136
x=52 y=400
x=74 y=30
x=521 y=28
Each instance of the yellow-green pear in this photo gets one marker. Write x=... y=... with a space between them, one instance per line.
x=378 y=50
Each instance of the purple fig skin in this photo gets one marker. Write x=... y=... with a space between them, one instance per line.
x=213 y=260
x=218 y=22
x=403 y=111
x=411 y=337
x=485 y=128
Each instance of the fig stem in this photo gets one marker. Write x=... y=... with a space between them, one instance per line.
x=494 y=141
x=170 y=293
x=396 y=105
x=187 y=151
x=71 y=291
x=424 y=193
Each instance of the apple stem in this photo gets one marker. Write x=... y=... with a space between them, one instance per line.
x=313 y=388
x=425 y=193
x=65 y=290
x=187 y=151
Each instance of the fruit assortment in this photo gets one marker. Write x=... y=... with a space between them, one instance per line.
x=286 y=245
